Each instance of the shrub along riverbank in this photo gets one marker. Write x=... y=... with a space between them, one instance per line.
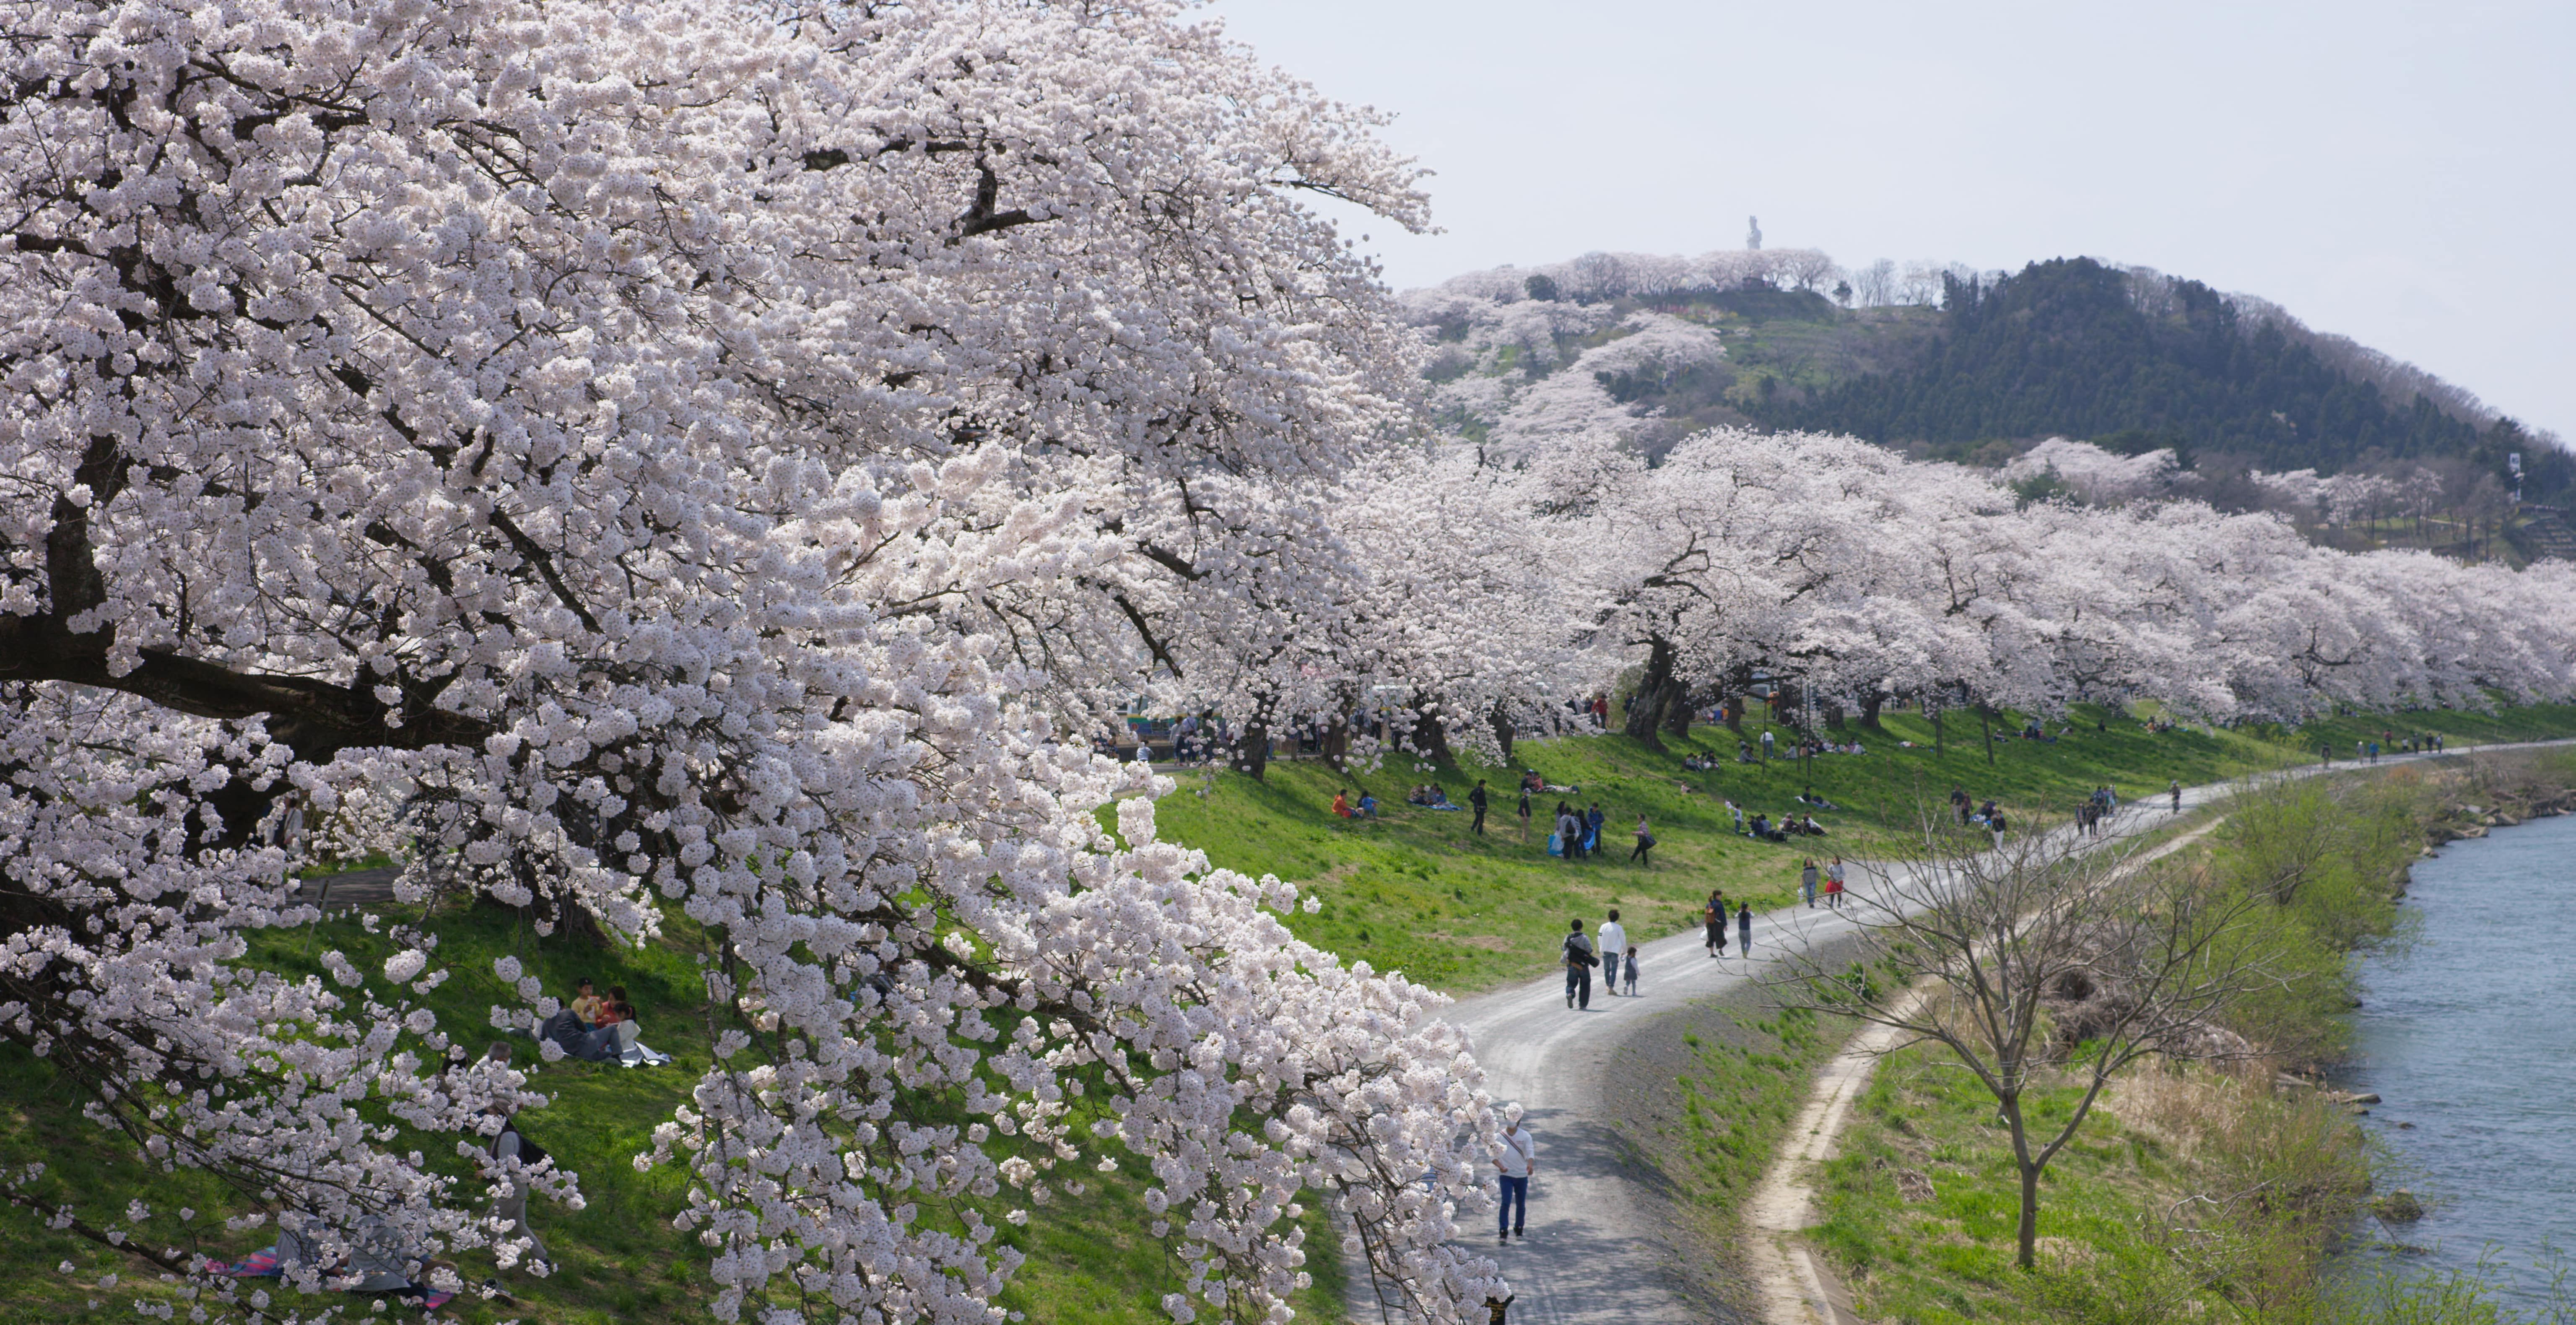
x=2213 y=1191
x=1412 y=891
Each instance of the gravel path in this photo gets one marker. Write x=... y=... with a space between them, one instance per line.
x=1600 y=1250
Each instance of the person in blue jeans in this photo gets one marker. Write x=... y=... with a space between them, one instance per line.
x=1515 y=1159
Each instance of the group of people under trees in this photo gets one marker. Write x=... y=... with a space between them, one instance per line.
x=1972 y=813
x=1763 y=828
x=1578 y=834
x=592 y=1028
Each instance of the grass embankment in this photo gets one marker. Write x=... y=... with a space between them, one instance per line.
x=616 y=1262
x=1414 y=891
x=2193 y=1192
x=1411 y=892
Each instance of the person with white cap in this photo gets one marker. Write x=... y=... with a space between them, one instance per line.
x=1515 y=1159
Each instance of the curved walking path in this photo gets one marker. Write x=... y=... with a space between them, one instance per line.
x=1795 y=1289
x=1596 y=1252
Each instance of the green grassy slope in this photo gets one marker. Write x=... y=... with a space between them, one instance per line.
x=617 y=1261
x=1411 y=892
x=1415 y=892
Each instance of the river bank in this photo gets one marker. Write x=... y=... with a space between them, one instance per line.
x=2467 y=1035
x=2204 y=1188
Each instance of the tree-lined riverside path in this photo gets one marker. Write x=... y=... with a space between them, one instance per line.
x=1596 y=1253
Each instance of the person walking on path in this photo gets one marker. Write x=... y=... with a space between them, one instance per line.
x=1579 y=961
x=1632 y=970
x=1807 y=881
x=1834 y=884
x=1645 y=843
x=1715 y=918
x=1515 y=1159
x=1477 y=799
x=2176 y=790
x=1744 y=927
x=1613 y=940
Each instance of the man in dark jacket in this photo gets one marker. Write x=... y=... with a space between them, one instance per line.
x=1579 y=960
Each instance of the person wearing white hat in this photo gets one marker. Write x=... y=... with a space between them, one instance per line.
x=1515 y=1159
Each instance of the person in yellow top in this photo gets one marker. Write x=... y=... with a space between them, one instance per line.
x=586 y=1004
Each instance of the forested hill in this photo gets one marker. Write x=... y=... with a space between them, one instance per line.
x=2075 y=348
x=1963 y=365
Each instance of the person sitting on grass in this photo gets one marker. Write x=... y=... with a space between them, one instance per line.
x=1367 y=806
x=586 y=1002
x=1342 y=803
x=608 y=1013
x=1419 y=795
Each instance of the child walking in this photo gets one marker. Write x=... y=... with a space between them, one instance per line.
x=1631 y=971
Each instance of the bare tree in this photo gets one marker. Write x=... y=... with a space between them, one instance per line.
x=2044 y=953
x=1876 y=283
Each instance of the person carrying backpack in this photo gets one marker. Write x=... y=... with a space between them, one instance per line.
x=1579 y=961
x=1714 y=917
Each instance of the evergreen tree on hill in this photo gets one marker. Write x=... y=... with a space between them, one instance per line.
x=2064 y=348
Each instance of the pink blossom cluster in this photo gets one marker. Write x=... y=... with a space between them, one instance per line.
x=709 y=459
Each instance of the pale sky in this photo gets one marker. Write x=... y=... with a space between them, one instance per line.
x=2403 y=174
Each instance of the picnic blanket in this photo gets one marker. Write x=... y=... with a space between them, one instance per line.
x=257 y=1265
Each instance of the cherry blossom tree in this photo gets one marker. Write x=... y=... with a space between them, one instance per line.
x=704 y=457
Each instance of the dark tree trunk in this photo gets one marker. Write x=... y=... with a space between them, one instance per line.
x=1429 y=738
x=2026 y=1249
x=1335 y=741
x=1835 y=716
x=1869 y=707
x=1645 y=715
x=1735 y=714
x=1252 y=749
x=1677 y=714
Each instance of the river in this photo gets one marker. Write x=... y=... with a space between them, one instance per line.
x=2468 y=1035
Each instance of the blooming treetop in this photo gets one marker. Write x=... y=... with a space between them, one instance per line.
x=696 y=456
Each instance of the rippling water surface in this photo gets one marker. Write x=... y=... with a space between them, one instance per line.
x=2469 y=1034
